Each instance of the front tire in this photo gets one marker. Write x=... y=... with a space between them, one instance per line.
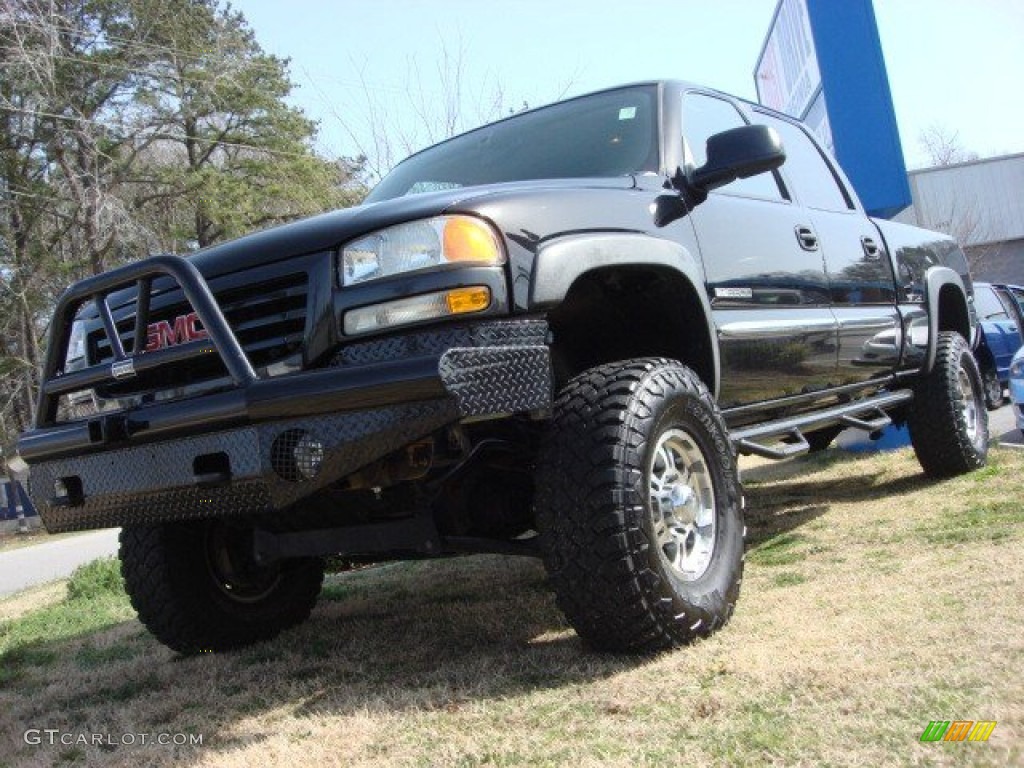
x=638 y=504
x=947 y=418
x=197 y=589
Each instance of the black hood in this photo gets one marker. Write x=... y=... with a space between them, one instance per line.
x=329 y=230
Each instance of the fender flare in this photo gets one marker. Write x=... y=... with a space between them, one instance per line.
x=935 y=279
x=560 y=262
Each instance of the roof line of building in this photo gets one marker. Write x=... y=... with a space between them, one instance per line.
x=979 y=161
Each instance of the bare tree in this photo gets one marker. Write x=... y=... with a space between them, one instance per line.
x=960 y=216
x=943 y=146
x=435 y=103
x=963 y=220
x=25 y=203
x=130 y=126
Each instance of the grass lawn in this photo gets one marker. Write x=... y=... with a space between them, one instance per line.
x=874 y=601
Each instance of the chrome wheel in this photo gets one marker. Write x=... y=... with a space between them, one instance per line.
x=639 y=508
x=969 y=404
x=947 y=417
x=682 y=501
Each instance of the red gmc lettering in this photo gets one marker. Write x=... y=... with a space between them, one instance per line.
x=162 y=334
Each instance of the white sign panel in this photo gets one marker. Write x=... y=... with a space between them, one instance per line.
x=787 y=75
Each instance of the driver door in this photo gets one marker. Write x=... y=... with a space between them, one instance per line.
x=764 y=273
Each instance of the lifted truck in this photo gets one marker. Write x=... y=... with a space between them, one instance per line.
x=549 y=336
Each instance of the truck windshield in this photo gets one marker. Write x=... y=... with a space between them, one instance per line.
x=613 y=133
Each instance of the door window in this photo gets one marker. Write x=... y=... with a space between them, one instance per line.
x=1018 y=297
x=806 y=168
x=987 y=304
x=703 y=117
x=1008 y=304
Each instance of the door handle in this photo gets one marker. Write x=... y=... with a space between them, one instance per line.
x=871 y=249
x=807 y=239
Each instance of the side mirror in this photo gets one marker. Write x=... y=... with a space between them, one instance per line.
x=739 y=153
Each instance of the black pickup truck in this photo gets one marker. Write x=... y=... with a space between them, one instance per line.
x=549 y=336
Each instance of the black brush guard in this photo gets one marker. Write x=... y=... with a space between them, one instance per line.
x=149 y=463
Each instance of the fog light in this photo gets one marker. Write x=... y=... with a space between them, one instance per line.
x=296 y=455
x=309 y=457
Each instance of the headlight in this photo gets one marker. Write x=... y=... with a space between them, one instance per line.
x=1017 y=369
x=75 y=358
x=419 y=245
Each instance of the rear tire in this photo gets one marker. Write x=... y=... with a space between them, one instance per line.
x=947 y=417
x=992 y=387
x=821 y=439
x=638 y=504
x=197 y=589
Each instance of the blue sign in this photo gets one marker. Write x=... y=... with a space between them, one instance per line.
x=822 y=63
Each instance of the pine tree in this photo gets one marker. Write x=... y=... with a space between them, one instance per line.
x=232 y=155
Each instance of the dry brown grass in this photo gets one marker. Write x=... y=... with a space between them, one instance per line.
x=33 y=599
x=13 y=539
x=874 y=601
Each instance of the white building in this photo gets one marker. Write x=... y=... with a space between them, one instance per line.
x=980 y=203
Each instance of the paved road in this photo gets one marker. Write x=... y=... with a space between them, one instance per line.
x=1002 y=424
x=52 y=560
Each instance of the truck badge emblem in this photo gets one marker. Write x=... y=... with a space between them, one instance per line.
x=123 y=369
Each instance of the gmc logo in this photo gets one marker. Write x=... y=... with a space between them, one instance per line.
x=162 y=334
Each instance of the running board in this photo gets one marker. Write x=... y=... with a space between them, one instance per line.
x=868 y=414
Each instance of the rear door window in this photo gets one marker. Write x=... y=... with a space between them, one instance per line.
x=806 y=169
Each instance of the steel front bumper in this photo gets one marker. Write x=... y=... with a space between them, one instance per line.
x=222 y=455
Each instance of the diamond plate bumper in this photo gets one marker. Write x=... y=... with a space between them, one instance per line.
x=485 y=371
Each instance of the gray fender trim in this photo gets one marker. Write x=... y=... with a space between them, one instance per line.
x=561 y=262
x=934 y=280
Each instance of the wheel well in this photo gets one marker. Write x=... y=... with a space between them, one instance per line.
x=953 y=312
x=627 y=312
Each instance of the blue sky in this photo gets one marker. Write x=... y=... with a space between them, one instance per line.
x=957 y=64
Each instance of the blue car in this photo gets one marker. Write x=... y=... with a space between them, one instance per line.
x=1001 y=318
